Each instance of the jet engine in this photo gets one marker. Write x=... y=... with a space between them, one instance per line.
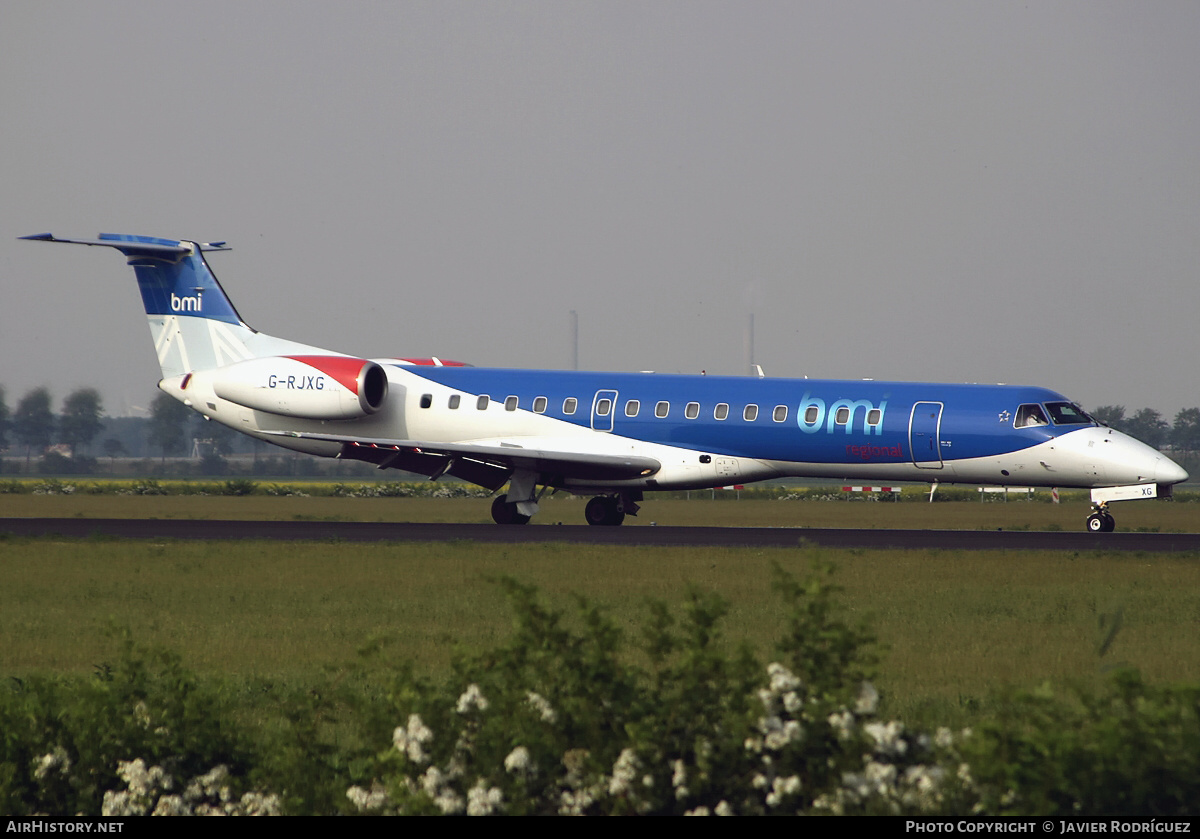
x=319 y=387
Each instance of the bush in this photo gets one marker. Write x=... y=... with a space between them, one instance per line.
x=63 y=743
x=1129 y=750
x=558 y=721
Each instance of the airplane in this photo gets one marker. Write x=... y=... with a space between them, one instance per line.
x=613 y=436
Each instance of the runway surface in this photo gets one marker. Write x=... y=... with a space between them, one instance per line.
x=762 y=537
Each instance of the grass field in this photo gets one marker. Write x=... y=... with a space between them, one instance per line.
x=957 y=626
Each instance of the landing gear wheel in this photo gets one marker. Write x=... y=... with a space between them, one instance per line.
x=505 y=513
x=1101 y=522
x=603 y=510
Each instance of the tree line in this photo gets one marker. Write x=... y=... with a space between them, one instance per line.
x=35 y=427
x=1149 y=426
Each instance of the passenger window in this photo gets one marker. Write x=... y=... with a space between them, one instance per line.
x=721 y=411
x=692 y=410
x=569 y=405
x=482 y=402
x=539 y=405
x=842 y=416
x=426 y=400
x=751 y=413
x=662 y=409
x=454 y=400
x=780 y=413
x=874 y=416
x=603 y=407
x=811 y=414
x=1029 y=416
x=510 y=404
x=632 y=407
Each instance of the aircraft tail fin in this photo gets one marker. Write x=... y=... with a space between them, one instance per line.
x=192 y=321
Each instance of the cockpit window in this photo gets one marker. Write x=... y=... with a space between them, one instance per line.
x=1030 y=415
x=1067 y=413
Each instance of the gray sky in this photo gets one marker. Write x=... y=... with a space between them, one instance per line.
x=937 y=191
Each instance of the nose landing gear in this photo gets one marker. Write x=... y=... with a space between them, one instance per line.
x=1101 y=521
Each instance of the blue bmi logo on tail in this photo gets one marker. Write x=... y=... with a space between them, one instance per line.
x=177 y=282
x=192 y=321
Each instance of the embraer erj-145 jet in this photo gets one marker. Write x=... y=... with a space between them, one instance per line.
x=613 y=436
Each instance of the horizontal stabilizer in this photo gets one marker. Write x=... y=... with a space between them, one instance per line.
x=140 y=246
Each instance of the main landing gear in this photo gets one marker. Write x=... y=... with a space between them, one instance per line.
x=603 y=510
x=610 y=510
x=505 y=513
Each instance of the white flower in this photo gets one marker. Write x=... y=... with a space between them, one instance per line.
x=842 y=723
x=699 y=811
x=782 y=679
x=517 y=761
x=944 y=738
x=781 y=788
x=364 y=800
x=260 y=804
x=887 y=737
x=409 y=739
x=543 y=707
x=171 y=805
x=433 y=782
x=723 y=809
x=624 y=772
x=868 y=699
x=483 y=800
x=449 y=802
x=680 y=776
x=472 y=699
x=57 y=759
x=779 y=733
x=142 y=714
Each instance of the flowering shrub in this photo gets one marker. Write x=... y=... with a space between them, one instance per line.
x=558 y=721
x=63 y=743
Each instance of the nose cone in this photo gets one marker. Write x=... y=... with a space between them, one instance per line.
x=1116 y=459
x=1169 y=472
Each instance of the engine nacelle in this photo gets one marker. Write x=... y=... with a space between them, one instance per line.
x=319 y=387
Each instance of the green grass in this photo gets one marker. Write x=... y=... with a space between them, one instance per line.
x=957 y=625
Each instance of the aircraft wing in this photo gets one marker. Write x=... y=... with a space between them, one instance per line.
x=488 y=464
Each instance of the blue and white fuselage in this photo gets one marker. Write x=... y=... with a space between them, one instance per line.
x=612 y=435
x=715 y=430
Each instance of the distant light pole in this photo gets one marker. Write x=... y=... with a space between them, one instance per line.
x=574 y=340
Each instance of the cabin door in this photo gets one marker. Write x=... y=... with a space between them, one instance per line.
x=924 y=429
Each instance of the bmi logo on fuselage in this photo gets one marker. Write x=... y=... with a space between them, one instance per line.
x=814 y=416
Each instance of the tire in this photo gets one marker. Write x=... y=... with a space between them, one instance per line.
x=505 y=513
x=602 y=511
